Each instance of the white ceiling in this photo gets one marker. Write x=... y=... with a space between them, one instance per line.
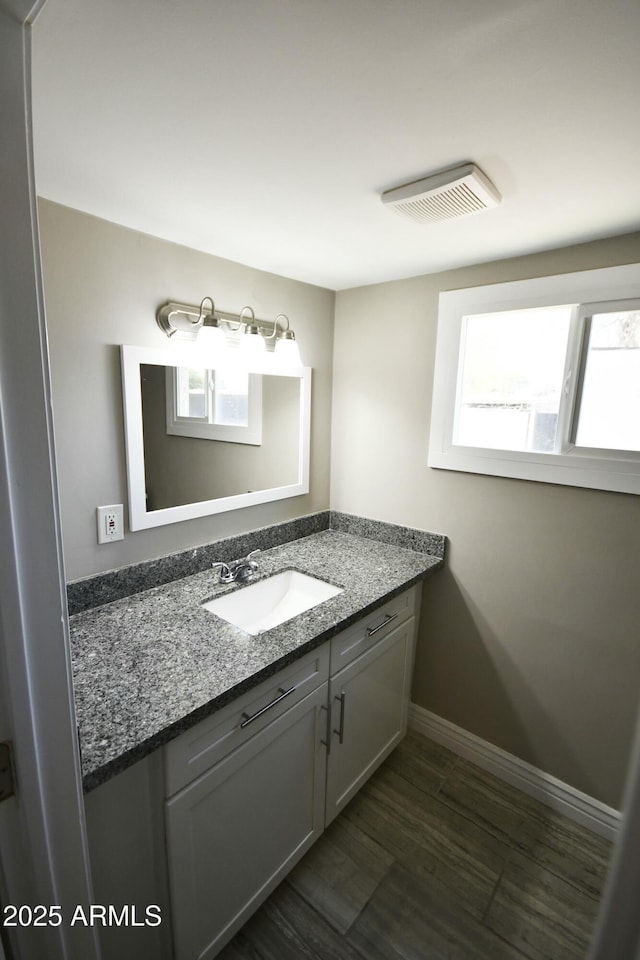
x=265 y=130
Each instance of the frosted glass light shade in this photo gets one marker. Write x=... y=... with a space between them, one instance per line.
x=252 y=343
x=212 y=345
x=287 y=353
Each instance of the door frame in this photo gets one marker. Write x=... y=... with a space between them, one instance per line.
x=43 y=847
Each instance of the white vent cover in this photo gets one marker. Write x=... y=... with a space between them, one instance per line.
x=455 y=192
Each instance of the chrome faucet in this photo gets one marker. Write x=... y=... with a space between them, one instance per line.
x=237 y=570
x=244 y=568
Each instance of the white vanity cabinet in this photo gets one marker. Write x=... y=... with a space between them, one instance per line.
x=236 y=830
x=369 y=702
x=371 y=666
x=249 y=789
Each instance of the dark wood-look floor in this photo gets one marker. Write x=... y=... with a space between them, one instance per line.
x=435 y=860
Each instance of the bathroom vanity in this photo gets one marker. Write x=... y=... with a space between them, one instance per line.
x=249 y=790
x=238 y=750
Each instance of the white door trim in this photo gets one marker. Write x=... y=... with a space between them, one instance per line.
x=38 y=710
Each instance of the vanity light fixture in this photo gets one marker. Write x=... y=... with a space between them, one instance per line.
x=252 y=343
x=286 y=349
x=211 y=335
x=220 y=329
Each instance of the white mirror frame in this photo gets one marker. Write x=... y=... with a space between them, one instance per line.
x=187 y=355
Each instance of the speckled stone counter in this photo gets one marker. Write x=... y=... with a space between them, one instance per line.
x=148 y=666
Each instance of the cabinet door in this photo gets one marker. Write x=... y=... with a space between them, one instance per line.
x=369 y=702
x=235 y=832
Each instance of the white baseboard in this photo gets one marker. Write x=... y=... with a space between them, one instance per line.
x=572 y=803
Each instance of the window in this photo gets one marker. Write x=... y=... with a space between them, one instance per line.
x=214 y=404
x=540 y=380
x=511 y=376
x=608 y=414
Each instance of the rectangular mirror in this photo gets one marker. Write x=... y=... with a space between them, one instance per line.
x=201 y=441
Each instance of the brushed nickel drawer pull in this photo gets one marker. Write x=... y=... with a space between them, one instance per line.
x=340 y=731
x=249 y=718
x=388 y=617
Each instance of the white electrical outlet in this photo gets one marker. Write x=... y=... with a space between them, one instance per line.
x=110 y=523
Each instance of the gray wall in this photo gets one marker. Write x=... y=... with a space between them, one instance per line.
x=530 y=638
x=103 y=284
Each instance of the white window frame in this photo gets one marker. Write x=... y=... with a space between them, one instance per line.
x=203 y=429
x=568 y=464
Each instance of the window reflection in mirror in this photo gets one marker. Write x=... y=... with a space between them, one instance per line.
x=222 y=404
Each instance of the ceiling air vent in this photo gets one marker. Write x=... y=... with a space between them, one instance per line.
x=455 y=192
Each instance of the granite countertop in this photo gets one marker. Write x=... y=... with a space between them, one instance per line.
x=148 y=666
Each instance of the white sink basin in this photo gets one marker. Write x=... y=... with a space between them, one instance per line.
x=272 y=601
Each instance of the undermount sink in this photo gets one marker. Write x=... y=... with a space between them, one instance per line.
x=270 y=602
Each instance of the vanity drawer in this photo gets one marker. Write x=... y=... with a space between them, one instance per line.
x=195 y=751
x=357 y=639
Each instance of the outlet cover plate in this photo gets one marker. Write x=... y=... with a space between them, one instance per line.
x=110 y=521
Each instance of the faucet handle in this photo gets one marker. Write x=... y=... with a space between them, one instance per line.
x=248 y=561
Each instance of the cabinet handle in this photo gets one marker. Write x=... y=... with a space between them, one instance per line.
x=249 y=718
x=327 y=743
x=340 y=730
x=388 y=617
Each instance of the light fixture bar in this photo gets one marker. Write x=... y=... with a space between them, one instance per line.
x=215 y=330
x=183 y=321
